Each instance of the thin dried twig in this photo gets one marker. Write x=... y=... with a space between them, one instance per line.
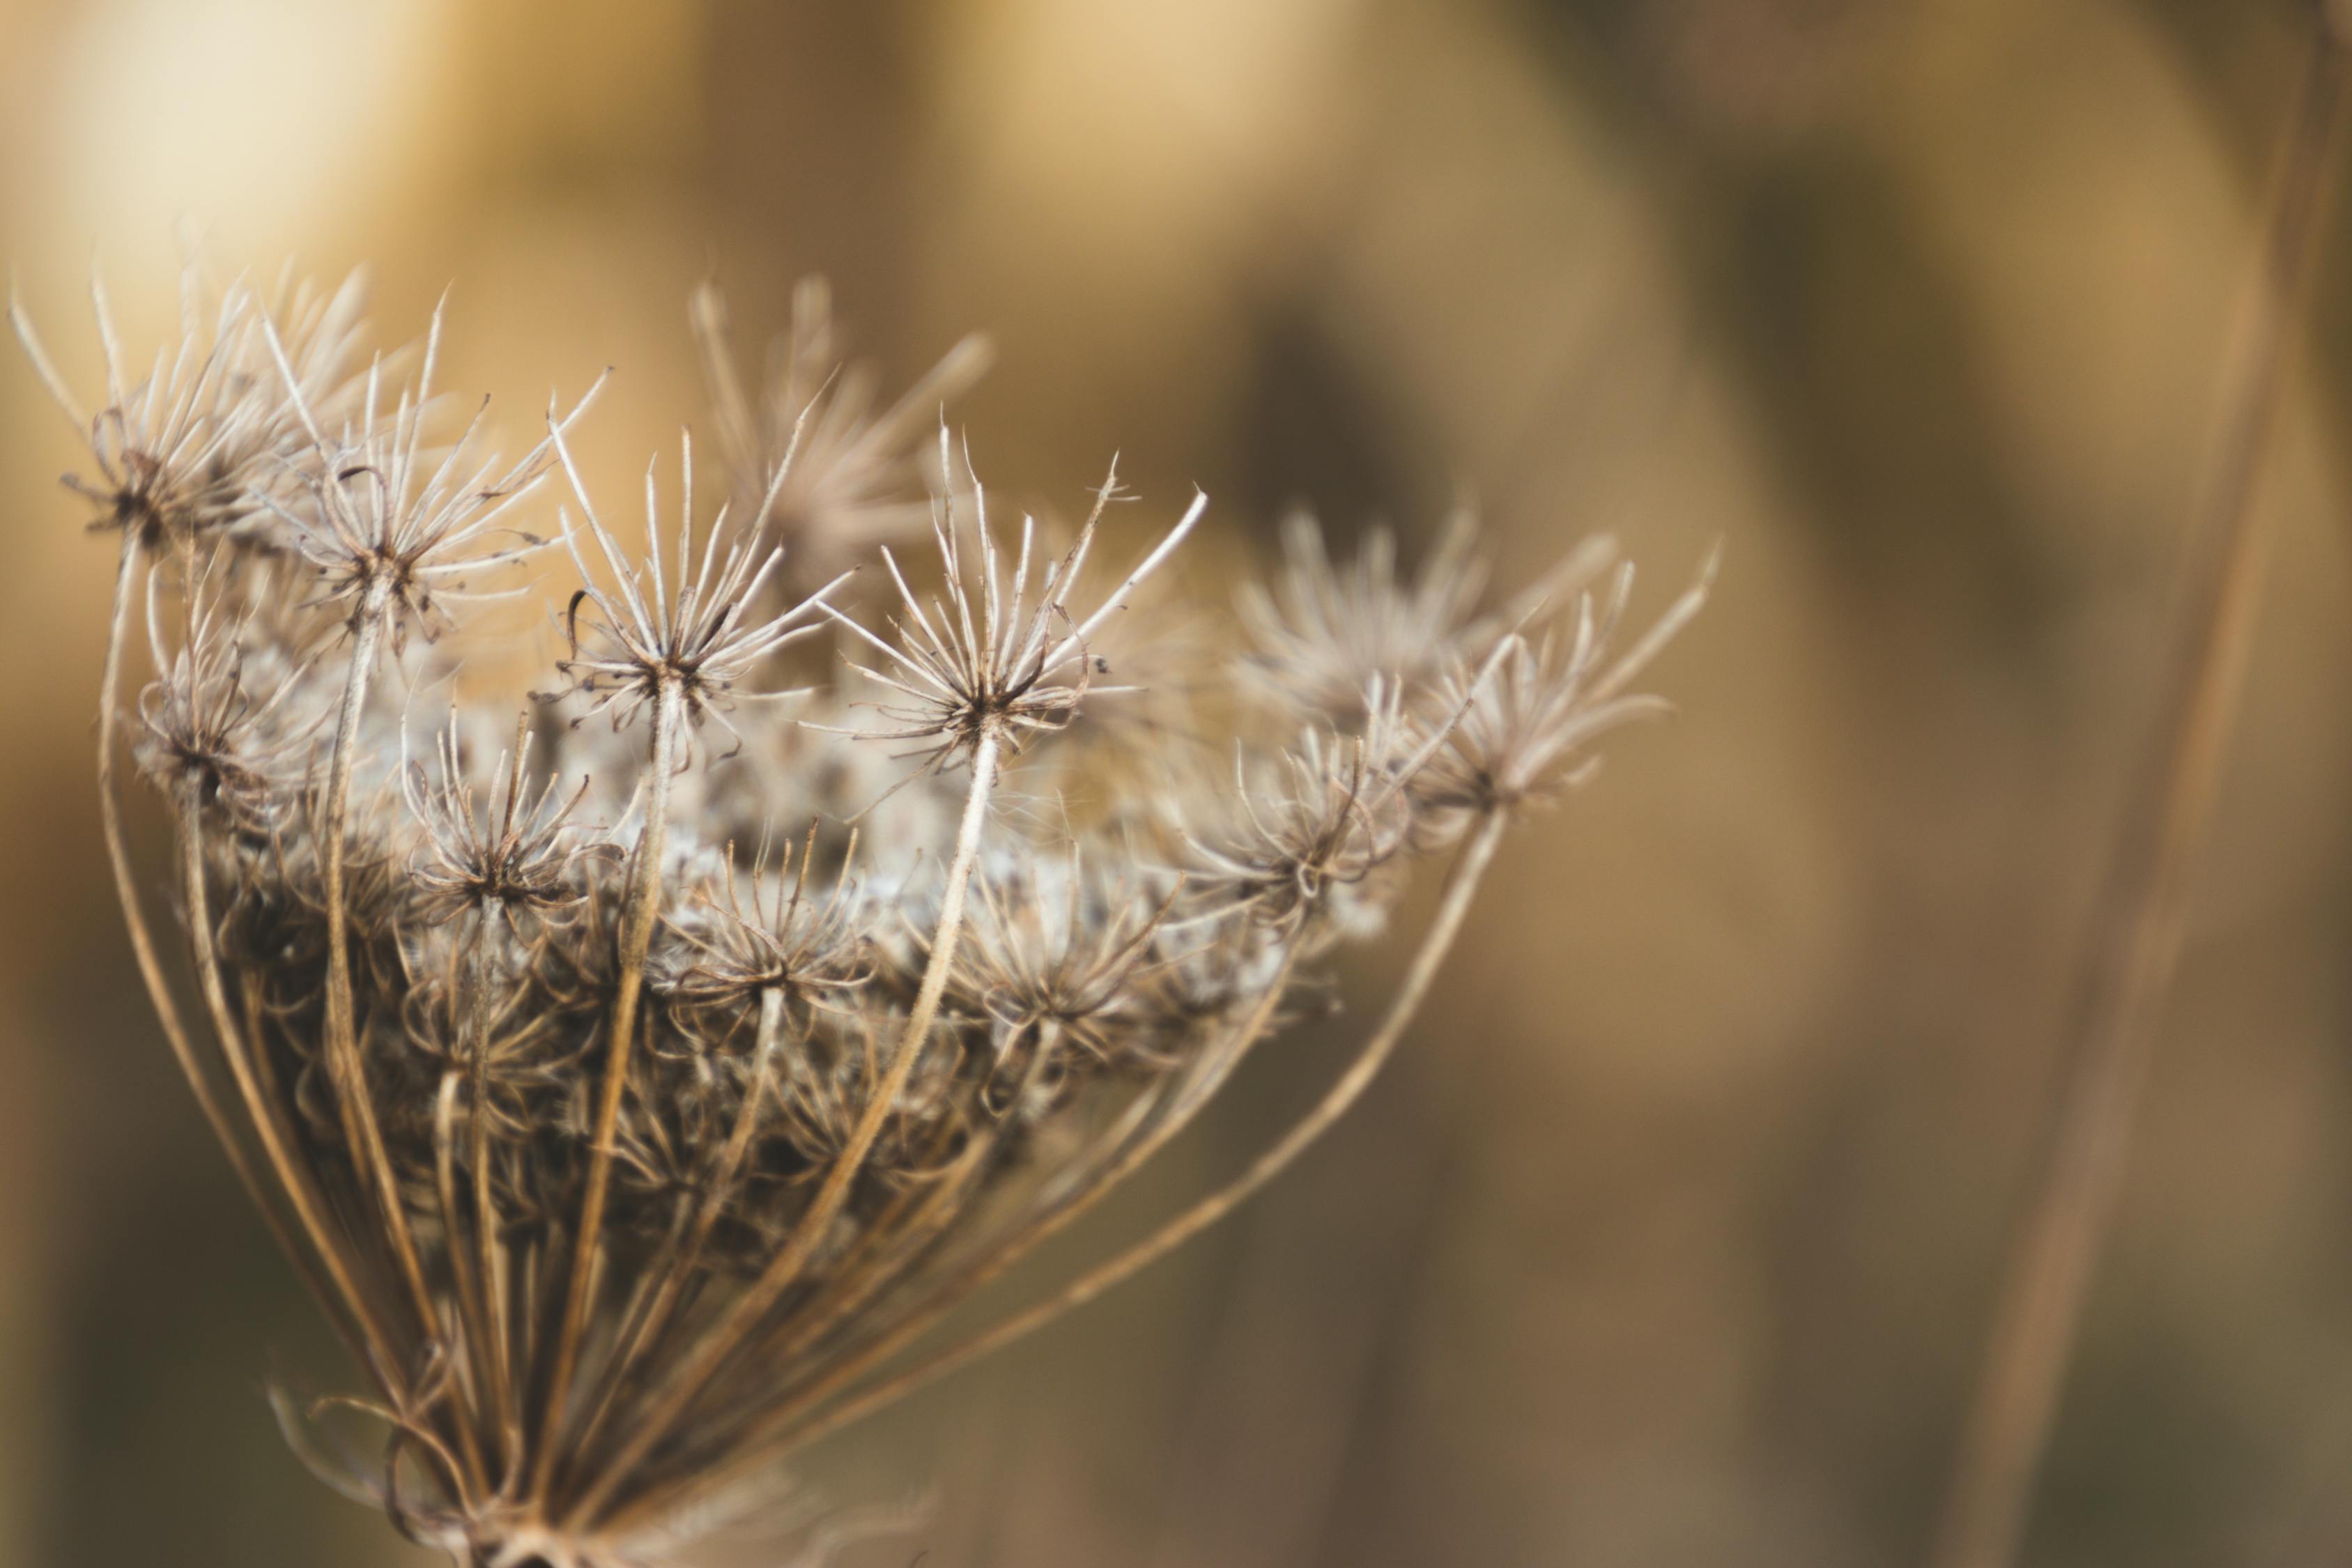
x=2142 y=907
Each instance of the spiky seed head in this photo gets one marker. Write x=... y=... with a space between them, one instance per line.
x=695 y=627
x=1000 y=654
x=808 y=456
x=222 y=716
x=389 y=532
x=746 y=934
x=1323 y=631
x=518 y=860
x=184 y=448
x=1527 y=721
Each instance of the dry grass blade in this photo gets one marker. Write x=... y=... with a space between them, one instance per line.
x=2140 y=914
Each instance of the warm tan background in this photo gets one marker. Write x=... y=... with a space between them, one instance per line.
x=1669 y=1240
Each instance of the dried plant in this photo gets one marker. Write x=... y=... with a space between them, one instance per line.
x=634 y=1117
x=811 y=457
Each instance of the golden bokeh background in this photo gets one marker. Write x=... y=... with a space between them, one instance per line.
x=1671 y=1237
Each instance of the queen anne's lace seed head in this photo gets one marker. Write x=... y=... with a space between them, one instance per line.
x=187 y=447
x=1056 y=964
x=219 y=720
x=633 y=1116
x=809 y=457
x=695 y=629
x=392 y=530
x=1525 y=724
x=518 y=860
x=1324 y=631
x=1315 y=823
x=746 y=935
x=1001 y=655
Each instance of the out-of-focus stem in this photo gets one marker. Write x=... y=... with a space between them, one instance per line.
x=2140 y=918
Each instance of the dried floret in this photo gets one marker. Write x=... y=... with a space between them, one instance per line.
x=743 y=937
x=390 y=531
x=1522 y=726
x=990 y=663
x=1056 y=963
x=521 y=864
x=699 y=636
x=811 y=458
x=193 y=448
x=212 y=723
x=1323 y=632
x=1320 y=821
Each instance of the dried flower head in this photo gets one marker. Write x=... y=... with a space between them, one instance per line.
x=1323 y=632
x=758 y=934
x=1321 y=819
x=1057 y=963
x=811 y=458
x=211 y=722
x=697 y=638
x=990 y=664
x=631 y=1154
x=389 y=532
x=1526 y=723
x=191 y=448
x=518 y=864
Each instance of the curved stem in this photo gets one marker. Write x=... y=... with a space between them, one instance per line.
x=358 y=1109
x=711 y=1353
x=637 y=921
x=1131 y=1150
x=499 y=1366
x=143 y=941
x=782 y=1436
x=293 y=1177
x=639 y=1337
x=2143 y=903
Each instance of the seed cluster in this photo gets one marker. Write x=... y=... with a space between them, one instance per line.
x=641 y=1072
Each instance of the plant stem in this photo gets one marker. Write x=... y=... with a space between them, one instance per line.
x=1128 y=1155
x=638 y=1338
x=898 y=1240
x=636 y=937
x=711 y=1353
x=360 y=1126
x=776 y=1435
x=293 y=1177
x=143 y=941
x=473 y=1369
x=500 y=1367
x=2142 y=905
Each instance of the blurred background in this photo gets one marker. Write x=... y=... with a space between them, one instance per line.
x=1671 y=1236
